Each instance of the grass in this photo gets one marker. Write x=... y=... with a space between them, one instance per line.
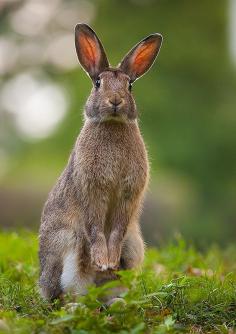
x=178 y=291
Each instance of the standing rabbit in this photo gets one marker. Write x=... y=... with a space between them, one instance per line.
x=90 y=222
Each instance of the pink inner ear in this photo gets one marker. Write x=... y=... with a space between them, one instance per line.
x=89 y=50
x=143 y=57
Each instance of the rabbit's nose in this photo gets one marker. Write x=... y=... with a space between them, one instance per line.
x=115 y=100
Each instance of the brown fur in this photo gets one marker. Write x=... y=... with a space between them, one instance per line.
x=89 y=226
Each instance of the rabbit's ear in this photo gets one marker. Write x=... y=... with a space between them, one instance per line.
x=90 y=51
x=141 y=57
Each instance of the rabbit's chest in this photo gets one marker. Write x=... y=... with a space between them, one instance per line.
x=113 y=161
x=121 y=170
x=133 y=174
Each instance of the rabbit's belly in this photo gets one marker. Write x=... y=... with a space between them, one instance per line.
x=133 y=181
x=69 y=273
x=72 y=279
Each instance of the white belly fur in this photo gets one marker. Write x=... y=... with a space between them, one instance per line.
x=70 y=278
x=69 y=274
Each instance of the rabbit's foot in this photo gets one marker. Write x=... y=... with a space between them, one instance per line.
x=114 y=257
x=99 y=258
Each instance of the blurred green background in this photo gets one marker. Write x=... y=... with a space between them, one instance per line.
x=187 y=106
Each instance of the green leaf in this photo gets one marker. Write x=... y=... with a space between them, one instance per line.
x=63 y=319
x=138 y=329
x=169 y=322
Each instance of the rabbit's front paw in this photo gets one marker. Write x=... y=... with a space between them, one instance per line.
x=114 y=257
x=99 y=258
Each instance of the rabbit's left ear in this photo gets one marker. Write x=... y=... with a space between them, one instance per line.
x=141 y=57
x=90 y=51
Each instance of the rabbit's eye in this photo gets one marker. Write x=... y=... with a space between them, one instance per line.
x=98 y=82
x=130 y=86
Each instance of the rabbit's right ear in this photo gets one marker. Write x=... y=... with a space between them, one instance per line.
x=90 y=51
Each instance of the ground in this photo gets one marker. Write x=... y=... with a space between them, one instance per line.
x=179 y=290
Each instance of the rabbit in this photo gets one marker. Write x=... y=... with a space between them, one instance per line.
x=90 y=222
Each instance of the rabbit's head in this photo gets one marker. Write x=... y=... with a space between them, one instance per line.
x=111 y=96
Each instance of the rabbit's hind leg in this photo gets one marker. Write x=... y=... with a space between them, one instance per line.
x=132 y=253
x=53 y=247
x=49 y=281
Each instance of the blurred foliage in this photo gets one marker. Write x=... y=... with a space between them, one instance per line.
x=187 y=114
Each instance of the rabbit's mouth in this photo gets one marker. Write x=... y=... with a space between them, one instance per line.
x=114 y=116
x=114 y=109
x=115 y=112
